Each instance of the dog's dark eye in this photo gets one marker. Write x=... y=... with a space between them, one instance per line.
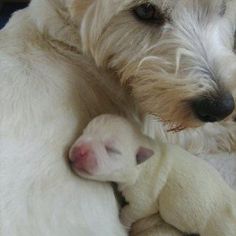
x=149 y=13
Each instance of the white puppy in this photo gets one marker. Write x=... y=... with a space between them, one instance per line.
x=188 y=193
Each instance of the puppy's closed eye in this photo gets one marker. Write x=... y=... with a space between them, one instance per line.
x=112 y=150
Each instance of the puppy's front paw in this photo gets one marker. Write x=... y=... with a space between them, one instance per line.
x=126 y=217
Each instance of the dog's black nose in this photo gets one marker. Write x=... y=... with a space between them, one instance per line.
x=215 y=108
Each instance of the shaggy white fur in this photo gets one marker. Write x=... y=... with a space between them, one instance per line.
x=43 y=109
x=63 y=62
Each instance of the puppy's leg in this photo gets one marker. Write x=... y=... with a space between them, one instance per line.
x=128 y=215
x=221 y=224
x=131 y=213
x=154 y=226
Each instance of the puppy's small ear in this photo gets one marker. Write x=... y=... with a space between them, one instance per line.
x=143 y=154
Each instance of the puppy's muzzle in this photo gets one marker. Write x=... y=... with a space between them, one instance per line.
x=213 y=109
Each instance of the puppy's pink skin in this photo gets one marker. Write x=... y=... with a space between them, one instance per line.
x=83 y=158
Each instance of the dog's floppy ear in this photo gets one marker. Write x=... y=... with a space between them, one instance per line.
x=143 y=154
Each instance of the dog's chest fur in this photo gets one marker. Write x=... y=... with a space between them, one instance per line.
x=43 y=110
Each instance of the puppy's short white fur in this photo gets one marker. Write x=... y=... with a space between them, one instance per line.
x=154 y=177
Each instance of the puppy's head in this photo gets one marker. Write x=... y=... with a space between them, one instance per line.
x=109 y=150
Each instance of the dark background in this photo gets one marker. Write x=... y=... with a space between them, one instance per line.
x=6 y=10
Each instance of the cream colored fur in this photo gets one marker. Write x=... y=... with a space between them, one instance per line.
x=48 y=94
x=63 y=62
x=188 y=193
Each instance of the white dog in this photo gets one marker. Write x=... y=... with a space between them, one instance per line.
x=188 y=193
x=63 y=62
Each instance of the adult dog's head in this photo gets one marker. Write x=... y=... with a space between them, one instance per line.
x=176 y=56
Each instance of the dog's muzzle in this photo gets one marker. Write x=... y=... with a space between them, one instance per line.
x=213 y=109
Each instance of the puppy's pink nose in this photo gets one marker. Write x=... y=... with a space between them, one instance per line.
x=83 y=158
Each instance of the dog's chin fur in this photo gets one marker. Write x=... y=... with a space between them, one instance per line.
x=211 y=138
x=57 y=73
